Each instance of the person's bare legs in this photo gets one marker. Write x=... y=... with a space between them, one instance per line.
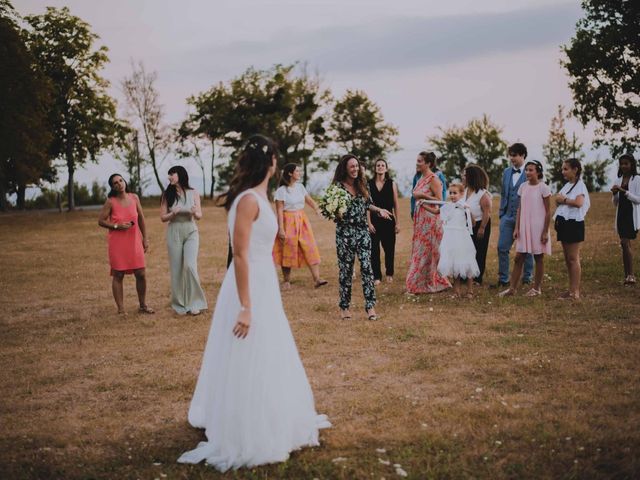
x=118 y=290
x=469 y=287
x=456 y=286
x=141 y=288
x=627 y=256
x=539 y=275
x=572 y=259
x=518 y=265
x=286 y=278
x=315 y=273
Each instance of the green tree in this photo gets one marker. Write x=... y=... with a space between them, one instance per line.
x=25 y=132
x=451 y=147
x=559 y=148
x=128 y=152
x=358 y=127
x=146 y=113
x=207 y=120
x=283 y=102
x=594 y=174
x=194 y=147
x=286 y=104
x=83 y=115
x=480 y=142
x=603 y=61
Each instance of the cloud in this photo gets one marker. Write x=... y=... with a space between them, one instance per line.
x=399 y=42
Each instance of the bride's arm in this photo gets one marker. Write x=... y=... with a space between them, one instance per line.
x=246 y=213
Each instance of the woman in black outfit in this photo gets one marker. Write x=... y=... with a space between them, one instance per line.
x=478 y=198
x=384 y=194
x=626 y=198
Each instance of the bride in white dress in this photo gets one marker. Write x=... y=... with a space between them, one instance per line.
x=252 y=397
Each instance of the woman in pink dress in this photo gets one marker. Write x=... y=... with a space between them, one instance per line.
x=532 y=228
x=423 y=276
x=122 y=216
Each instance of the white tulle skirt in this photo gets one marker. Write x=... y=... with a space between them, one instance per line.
x=252 y=397
x=457 y=254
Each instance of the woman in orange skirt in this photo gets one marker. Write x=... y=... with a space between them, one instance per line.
x=295 y=245
x=122 y=216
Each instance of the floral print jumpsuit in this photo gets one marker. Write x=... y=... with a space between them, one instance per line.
x=352 y=238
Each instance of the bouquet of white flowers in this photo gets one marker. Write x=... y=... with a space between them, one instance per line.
x=335 y=202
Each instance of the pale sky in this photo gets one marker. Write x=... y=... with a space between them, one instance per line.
x=426 y=63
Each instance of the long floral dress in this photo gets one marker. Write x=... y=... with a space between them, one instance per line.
x=423 y=276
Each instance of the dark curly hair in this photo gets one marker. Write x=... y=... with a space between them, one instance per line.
x=475 y=177
x=341 y=175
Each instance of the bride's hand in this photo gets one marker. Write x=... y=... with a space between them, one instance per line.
x=243 y=322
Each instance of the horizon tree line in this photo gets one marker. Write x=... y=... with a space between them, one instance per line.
x=57 y=112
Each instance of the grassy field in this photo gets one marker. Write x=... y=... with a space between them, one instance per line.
x=483 y=388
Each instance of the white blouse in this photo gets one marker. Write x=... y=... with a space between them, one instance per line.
x=569 y=212
x=633 y=194
x=293 y=197
x=473 y=201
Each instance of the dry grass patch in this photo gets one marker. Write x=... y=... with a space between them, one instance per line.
x=486 y=387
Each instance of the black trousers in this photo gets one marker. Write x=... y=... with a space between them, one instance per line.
x=482 y=245
x=385 y=235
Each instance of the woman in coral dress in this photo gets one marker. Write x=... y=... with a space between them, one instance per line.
x=122 y=216
x=423 y=276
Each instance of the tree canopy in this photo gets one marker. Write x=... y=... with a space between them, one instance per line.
x=283 y=102
x=82 y=115
x=25 y=132
x=358 y=127
x=480 y=142
x=603 y=62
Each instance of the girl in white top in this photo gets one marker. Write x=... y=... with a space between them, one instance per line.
x=295 y=244
x=478 y=198
x=626 y=198
x=573 y=204
x=457 y=253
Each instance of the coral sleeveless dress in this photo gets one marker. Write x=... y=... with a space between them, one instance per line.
x=126 y=252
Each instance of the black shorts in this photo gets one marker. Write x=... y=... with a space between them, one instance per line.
x=569 y=231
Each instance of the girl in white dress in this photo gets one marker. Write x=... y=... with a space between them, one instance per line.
x=457 y=252
x=252 y=397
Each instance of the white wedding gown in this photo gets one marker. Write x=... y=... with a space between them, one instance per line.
x=252 y=397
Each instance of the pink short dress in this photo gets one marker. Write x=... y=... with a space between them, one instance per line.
x=532 y=215
x=126 y=252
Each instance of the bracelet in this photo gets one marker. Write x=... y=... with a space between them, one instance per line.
x=243 y=308
x=115 y=226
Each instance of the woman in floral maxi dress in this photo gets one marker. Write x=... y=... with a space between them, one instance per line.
x=423 y=276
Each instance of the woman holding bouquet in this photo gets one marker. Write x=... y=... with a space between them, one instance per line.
x=352 y=234
x=295 y=245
